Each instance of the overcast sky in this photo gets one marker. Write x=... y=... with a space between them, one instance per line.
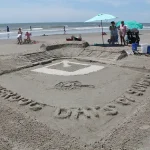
x=12 y=11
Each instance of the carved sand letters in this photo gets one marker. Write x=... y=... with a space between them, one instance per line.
x=87 y=112
x=137 y=89
x=14 y=97
x=140 y=87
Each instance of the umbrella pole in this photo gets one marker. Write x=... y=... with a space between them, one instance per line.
x=102 y=32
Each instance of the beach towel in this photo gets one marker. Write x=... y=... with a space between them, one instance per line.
x=19 y=36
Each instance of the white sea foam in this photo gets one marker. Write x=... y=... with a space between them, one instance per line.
x=6 y=33
x=37 y=28
x=32 y=29
x=89 y=28
x=146 y=27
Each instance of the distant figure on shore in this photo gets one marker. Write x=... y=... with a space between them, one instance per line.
x=64 y=30
x=8 y=31
x=30 y=28
x=44 y=35
x=19 y=37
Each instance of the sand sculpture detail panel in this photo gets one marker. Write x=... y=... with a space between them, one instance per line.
x=138 y=89
x=70 y=85
x=126 y=99
x=64 y=68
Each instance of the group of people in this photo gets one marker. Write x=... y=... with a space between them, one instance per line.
x=27 y=38
x=114 y=32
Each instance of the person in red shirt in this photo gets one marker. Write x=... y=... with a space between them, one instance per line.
x=27 y=37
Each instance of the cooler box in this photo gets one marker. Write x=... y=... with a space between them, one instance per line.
x=144 y=48
x=148 y=49
x=134 y=46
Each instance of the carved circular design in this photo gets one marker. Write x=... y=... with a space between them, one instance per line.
x=70 y=85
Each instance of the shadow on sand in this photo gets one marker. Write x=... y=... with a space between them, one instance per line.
x=107 y=45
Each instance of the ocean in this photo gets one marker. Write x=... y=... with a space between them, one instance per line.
x=39 y=29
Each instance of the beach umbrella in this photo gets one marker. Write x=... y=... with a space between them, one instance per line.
x=131 y=24
x=100 y=18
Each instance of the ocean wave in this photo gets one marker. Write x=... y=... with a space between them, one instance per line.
x=7 y=32
x=32 y=29
x=47 y=30
x=88 y=28
x=146 y=27
x=37 y=28
x=52 y=30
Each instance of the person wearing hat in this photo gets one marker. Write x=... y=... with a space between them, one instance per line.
x=122 y=32
x=113 y=32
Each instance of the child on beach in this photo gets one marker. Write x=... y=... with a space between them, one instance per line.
x=19 y=37
x=27 y=37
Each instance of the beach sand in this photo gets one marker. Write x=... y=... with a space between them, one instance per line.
x=93 y=111
x=11 y=46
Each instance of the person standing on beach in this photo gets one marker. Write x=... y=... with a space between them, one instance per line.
x=7 y=31
x=19 y=37
x=30 y=28
x=122 y=32
x=64 y=30
x=113 y=32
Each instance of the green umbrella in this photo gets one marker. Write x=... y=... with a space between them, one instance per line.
x=131 y=24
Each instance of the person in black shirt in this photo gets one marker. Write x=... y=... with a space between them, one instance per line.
x=7 y=29
x=64 y=29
